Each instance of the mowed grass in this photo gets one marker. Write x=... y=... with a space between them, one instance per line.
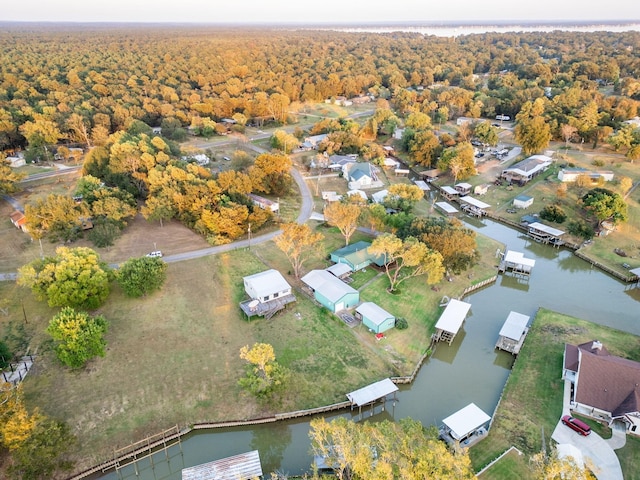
x=532 y=399
x=173 y=357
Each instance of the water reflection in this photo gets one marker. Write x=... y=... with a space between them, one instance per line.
x=504 y=360
x=569 y=264
x=511 y=281
x=447 y=353
x=633 y=292
x=271 y=443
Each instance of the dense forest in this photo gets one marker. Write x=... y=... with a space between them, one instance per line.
x=104 y=88
x=81 y=85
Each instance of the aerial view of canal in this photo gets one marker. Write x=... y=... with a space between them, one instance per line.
x=470 y=370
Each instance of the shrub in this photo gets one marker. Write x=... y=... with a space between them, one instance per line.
x=401 y=323
x=553 y=213
x=581 y=229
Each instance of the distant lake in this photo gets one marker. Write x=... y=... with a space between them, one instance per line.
x=450 y=30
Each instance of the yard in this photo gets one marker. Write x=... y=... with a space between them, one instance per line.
x=532 y=400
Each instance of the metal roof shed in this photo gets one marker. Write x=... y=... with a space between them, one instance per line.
x=451 y=320
x=474 y=202
x=446 y=208
x=513 y=332
x=466 y=421
x=245 y=466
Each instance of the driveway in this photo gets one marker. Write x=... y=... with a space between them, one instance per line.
x=598 y=453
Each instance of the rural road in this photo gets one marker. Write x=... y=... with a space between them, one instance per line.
x=305 y=212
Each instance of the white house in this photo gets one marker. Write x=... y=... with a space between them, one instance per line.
x=361 y=175
x=524 y=171
x=572 y=174
x=311 y=143
x=266 y=286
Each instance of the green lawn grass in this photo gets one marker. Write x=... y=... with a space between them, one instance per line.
x=532 y=400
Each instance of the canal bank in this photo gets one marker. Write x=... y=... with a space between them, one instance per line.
x=470 y=370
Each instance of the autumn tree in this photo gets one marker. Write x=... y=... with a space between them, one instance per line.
x=605 y=205
x=486 y=133
x=403 y=197
x=284 y=141
x=16 y=423
x=270 y=174
x=264 y=375
x=8 y=177
x=407 y=259
x=459 y=161
x=55 y=216
x=75 y=277
x=423 y=146
x=298 y=242
x=403 y=449
x=568 y=132
x=551 y=467
x=141 y=276
x=532 y=131
x=456 y=243
x=78 y=337
x=344 y=216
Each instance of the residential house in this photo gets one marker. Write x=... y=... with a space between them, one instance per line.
x=572 y=174
x=16 y=161
x=605 y=387
x=357 y=256
x=337 y=162
x=374 y=317
x=311 y=143
x=266 y=286
x=330 y=291
x=361 y=175
x=524 y=171
x=264 y=203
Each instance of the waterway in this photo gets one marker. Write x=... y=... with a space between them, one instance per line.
x=470 y=370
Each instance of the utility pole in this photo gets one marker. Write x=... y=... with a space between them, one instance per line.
x=249 y=235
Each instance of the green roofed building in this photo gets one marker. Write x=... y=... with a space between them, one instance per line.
x=357 y=256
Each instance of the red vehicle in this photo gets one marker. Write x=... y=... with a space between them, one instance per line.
x=577 y=425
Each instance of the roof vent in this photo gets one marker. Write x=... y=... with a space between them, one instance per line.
x=596 y=345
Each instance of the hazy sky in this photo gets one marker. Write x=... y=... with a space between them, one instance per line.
x=321 y=11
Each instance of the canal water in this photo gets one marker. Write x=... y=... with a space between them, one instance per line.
x=470 y=370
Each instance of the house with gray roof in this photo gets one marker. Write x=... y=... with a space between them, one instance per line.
x=524 y=171
x=605 y=387
x=357 y=256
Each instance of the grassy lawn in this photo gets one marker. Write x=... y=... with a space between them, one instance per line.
x=173 y=357
x=512 y=465
x=532 y=399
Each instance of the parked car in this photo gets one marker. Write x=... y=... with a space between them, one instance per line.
x=577 y=425
x=155 y=254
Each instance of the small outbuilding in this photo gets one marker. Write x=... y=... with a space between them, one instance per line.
x=522 y=201
x=331 y=292
x=245 y=466
x=516 y=263
x=463 y=188
x=374 y=317
x=19 y=220
x=481 y=189
x=473 y=206
x=449 y=192
x=451 y=320
x=339 y=270
x=379 y=197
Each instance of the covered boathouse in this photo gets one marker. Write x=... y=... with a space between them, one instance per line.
x=513 y=332
x=516 y=263
x=466 y=426
x=451 y=320
x=370 y=394
x=245 y=466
